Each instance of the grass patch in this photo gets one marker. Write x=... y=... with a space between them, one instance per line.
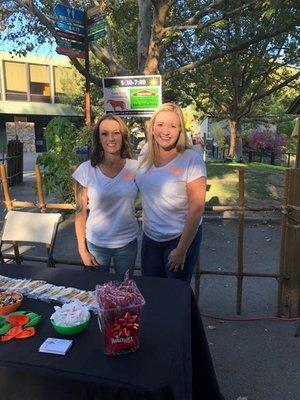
x=263 y=183
x=221 y=170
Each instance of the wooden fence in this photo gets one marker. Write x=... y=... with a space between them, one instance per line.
x=14 y=161
x=288 y=275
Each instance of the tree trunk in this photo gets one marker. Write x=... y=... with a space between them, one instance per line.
x=272 y=158
x=250 y=155
x=233 y=128
x=144 y=32
x=239 y=148
x=161 y=9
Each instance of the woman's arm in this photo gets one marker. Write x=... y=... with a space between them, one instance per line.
x=80 y=224
x=196 y=191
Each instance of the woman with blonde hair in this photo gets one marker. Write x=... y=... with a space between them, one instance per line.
x=172 y=182
x=105 y=223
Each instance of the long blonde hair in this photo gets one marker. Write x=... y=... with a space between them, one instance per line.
x=152 y=147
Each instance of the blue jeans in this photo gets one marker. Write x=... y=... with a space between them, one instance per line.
x=123 y=257
x=154 y=257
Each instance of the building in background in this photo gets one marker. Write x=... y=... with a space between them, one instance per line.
x=31 y=94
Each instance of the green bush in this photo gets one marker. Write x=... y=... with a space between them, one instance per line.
x=61 y=138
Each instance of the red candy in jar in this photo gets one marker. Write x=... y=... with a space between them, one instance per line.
x=120 y=305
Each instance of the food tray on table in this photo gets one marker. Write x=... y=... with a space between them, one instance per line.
x=41 y=290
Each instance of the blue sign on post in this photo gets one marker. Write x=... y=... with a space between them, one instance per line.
x=69 y=14
x=70 y=28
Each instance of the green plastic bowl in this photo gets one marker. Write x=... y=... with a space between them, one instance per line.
x=70 y=330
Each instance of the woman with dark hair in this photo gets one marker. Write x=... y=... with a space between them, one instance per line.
x=105 y=223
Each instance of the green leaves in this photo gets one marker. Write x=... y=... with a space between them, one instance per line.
x=61 y=138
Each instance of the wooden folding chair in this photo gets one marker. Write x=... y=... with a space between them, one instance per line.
x=29 y=227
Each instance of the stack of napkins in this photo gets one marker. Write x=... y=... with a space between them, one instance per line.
x=55 y=346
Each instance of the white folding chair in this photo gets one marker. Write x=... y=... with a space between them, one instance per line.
x=21 y=226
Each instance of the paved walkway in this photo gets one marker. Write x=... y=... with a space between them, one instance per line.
x=254 y=360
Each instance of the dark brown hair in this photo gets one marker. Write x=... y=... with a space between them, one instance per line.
x=97 y=152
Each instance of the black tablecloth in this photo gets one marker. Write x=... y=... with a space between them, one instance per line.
x=173 y=361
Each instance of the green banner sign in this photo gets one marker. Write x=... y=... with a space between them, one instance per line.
x=144 y=98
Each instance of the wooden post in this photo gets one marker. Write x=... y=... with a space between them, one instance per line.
x=298 y=148
x=74 y=183
x=40 y=191
x=282 y=243
x=5 y=188
x=291 y=258
x=240 y=249
x=40 y=194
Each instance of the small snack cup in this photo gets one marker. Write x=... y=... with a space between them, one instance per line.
x=119 y=316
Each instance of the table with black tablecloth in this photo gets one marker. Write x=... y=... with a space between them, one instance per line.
x=173 y=361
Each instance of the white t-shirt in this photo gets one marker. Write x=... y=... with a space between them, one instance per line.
x=111 y=221
x=164 y=196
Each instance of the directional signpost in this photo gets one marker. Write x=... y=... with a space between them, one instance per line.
x=70 y=36
x=76 y=29
x=71 y=44
x=68 y=27
x=96 y=30
x=70 y=52
x=68 y=14
x=71 y=27
x=96 y=24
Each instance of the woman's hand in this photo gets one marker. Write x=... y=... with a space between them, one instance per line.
x=88 y=259
x=176 y=259
x=196 y=201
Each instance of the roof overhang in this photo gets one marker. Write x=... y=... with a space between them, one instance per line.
x=31 y=108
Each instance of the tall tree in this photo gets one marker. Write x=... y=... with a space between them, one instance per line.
x=237 y=85
x=142 y=33
x=223 y=53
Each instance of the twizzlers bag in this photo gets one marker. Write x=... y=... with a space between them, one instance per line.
x=120 y=306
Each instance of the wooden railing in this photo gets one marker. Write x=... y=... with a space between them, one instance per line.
x=288 y=276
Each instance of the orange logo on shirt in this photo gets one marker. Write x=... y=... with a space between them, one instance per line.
x=176 y=171
x=128 y=176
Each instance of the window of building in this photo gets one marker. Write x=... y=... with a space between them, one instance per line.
x=15 y=81
x=39 y=78
x=60 y=75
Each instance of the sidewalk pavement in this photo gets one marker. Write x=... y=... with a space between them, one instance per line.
x=254 y=360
